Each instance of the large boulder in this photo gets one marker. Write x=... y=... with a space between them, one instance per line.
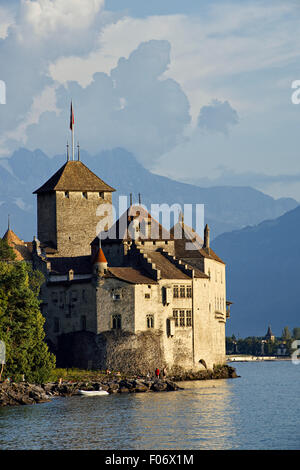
x=159 y=386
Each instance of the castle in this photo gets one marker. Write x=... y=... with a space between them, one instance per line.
x=133 y=298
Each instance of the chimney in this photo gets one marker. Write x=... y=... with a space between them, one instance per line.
x=36 y=246
x=206 y=243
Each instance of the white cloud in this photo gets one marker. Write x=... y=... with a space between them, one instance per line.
x=42 y=31
x=220 y=53
x=46 y=17
x=231 y=39
x=133 y=107
x=6 y=20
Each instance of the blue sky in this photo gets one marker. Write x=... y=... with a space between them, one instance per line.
x=198 y=91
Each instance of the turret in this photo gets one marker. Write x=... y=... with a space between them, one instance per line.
x=99 y=263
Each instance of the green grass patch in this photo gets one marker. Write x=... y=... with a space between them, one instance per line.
x=78 y=375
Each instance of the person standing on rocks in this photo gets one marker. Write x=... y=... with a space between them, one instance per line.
x=157 y=373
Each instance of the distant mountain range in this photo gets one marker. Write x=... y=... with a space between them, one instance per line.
x=263 y=275
x=226 y=208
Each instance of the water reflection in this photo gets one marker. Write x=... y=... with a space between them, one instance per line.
x=198 y=417
x=257 y=411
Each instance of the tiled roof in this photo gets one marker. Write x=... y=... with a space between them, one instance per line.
x=125 y=227
x=131 y=275
x=12 y=238
x=74 y=176
x=20 y=248
x=186 y=236
x=167 y=269
x=182 y=250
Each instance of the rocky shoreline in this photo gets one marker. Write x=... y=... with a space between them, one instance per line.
x=12 y=394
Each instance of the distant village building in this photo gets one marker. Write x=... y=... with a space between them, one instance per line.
x=268 y=338
x=269 y=335
x=133 y=298
x=282 y=350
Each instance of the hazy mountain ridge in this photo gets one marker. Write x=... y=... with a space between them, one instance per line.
x=226 y=208
x=263 y=274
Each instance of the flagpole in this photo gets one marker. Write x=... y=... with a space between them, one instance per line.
x=72 y=129
x=73 y=150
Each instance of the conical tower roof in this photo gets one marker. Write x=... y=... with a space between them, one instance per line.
x=100 y=257
x=19 y=247
x=11 y=238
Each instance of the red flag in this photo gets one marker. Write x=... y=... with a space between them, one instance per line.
x=71 y=117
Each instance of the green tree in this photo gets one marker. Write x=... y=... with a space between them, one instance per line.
x=250 y=345
x=6 y=252
x=286 y=335
x=21 y=324
x=296 y=333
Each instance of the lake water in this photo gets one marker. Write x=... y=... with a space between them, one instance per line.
x=259 y=410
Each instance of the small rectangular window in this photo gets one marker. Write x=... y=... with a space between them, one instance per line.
x=83 y=323
x=188 y=315
x=175 y=315
x=189 y=291
x=74 y=296
x=175 y=292
x=150 y=321
x=116 y=296
x=181 y=318
x=62 y=298
x=147 y=296
x=182 y=292
x=168 y=295
x=56 y=325
x=67 y=194
x=85 y=195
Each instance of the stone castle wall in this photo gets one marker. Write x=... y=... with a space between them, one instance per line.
x=77 y=221
x=46 y=216
x=115 y=350
x=69 y=220
x=67 y=307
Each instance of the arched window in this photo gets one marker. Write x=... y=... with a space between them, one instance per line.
x=116 y=322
